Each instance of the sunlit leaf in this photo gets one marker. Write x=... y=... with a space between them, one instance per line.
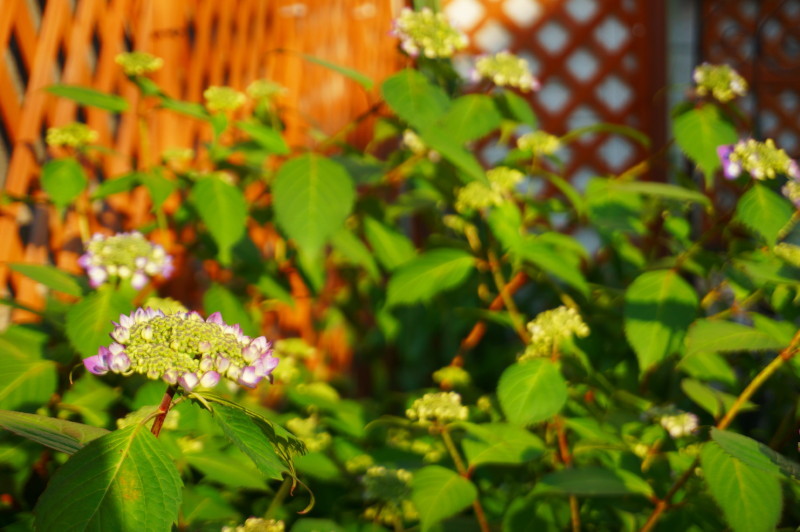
x=530 y=392
x=90 y=97
x=429 y=274
x=439 y=493
x=63 y=180
x=58 y=434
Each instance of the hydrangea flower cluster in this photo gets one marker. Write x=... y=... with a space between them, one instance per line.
x=451 y=376
x=74 y=135
x=262 y=89
x=432 y=450
x=476 y=195
x=392 y=489
x=428 y=32
x=310 y=433
x=440 y=406
x=505 y=69
x=184 y=349
x=178 y=154
x=257 y=524
x=550 y=328
x=789 y=253
x=762 y=160
x=680 y=424
x=223 y=99
x=791 y=190
x=539 y=142
x=124 y=256
x=721 y=81
x=138 y=63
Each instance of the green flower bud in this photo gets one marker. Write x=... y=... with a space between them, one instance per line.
x=74 y=135
x=138 y=63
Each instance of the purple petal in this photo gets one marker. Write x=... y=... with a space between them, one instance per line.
x=250 y=377
x=794 y=170
x=216 y=318
x=119 y=363
x=121 y=334
x=97 y=276
x=223 y=363
x=730 y=169
x=97 y=364
x=170 y=376
x=209 y=380
x=188 y=381
x=139 y=280
x=250 y=354
x=261 y=344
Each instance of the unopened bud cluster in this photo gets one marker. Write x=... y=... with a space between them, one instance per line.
x=257 y=524
x=124 y=256
x=262 y=89
x=74 y=135
x=680 y=424
x=539 y=142
x=223 y=99
x=413 y=142
x=310 y=433
x=791 y=190
x=138 y=63
x=428 y=33
x=441 y=406
x=432 y=450
x=721 y=81
x=762 y=160
x=505 y=69
x=788 y=253
x=391 y=488
x=550 y=328
x=184 y=349
x=478 y=196
x=451 y=376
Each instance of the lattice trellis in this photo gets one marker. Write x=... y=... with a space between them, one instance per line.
x=760 y=39
x=598 y=61
x=203 y=43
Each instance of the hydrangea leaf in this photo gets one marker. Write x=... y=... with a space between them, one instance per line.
x=414 y=98
x=266 y=137
x=88 y=323
x=755 y=454
x=715 y=336
x=659 y=307
x=123 y=481
x=593 y=481
x=223 y=210
x=764 y=213
x=699 y=132
x=63 y=180
x=750 y=499
x=51 y=277
x=27 y=379
x=90 y=97
x=362 y=79
x=471 y=117
x=530 y=392
x=59 y=434
x=429 y=274
x=391 y=248
x=312 y=196
x=500 y=443
x=439 y=493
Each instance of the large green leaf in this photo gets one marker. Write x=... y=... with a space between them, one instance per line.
x=158 y=186
x=355 y=251
x=442 y=139
x=414 y=98
x=439 y=493
x=515 y=108
x=614 y=209
x=63 y=180
x=661 y=190
x=659 y=307
x=713 y=401
x=90 y=97
x=715 y=336
x=205 y=503
x=764 y=212
x=219 y=299
x=391 y=248
x=750 y=498
x=49 y=276
x=755 y=454
x=471 y=117
x=265 y=136
x=593 y=481
x=312 y=197
x=117 y=185
x=699 y=132
x=59 y=434
x=355 y=75
x=27 y=379
x=530 y=392
x=429 y=274
x=122 y=481
x=88 y=323
x=231 y=469
x=553 y=262
x=500 y=443
x=223 y=210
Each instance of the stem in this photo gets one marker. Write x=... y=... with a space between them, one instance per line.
x=280 y=496
x=566 y=459
x=747 y=393
x=480 y=515
x=163 y=410
x=508 y=301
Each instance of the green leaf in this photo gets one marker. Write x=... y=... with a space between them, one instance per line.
x=661 y=190
x=205 y=503
x=270 y=287
x=308 y=524
x=715 y=336
x=764 y=212
x=593 y=481
x=158 y=186
x=88 y=323
x=27 y=380
x=699 y=132
x=439 y=493
x=116 y=185
x=516 y=108
x=429 y=274
x=606 y=127
x=553 y=262
x=443 y=141
x=353 y=74
x=265 y=136
x=123 y=481
x=231 y=469
x=414 y=98
x=223 y=209
x=530 y=392
x=64 y=436
x=614 y=209
x=49 y=276
x=91 y=398
x=471 y=117
x=195 y=110
x=659 y=307
x=750 y=499
x=392 y=248
x=713 y=401
x=63 y=180
x=312 y=196
x=219 y=299
x=90 y=97
x=354 y=251
x=755 y=454
x=500 y=443
x=708 y=367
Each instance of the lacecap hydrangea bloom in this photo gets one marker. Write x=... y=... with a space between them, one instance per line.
x=138 y=63
x=477 y=196
x=428 y=33
x=223 y=99
x=183 y=349
x=762 y=160
x=74 y=135
x=441 y=406
x=505 y=69
x=550 y=328
x=539 y=142
x=721 y=81
x=124 y=256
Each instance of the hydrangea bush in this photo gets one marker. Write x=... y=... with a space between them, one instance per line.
x=528 y=354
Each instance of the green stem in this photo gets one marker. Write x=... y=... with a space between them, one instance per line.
x=480 y=515
x=280 y=496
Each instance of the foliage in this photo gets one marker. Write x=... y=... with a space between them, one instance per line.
x=618 y=407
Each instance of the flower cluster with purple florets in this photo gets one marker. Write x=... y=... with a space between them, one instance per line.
x=124 y=256
x=428 y=33
x=762 y=160
x=182 y=348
